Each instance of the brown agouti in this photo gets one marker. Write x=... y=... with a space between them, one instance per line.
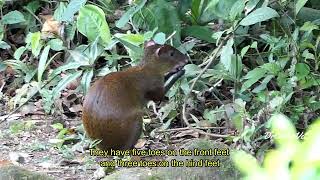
x=114 y=105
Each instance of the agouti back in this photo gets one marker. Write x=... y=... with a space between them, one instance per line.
x=114 y=105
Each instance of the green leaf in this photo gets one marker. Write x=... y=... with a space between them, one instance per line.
x=4 y=45
x=13 y=17
x=59 y=12
x=56 y=44
x=251 y=5
x=252 y=77
x=42 y=62
x=309 y=26
x=72 y=8
x=299 y=5
x=259 y=15
x=162 y=15
x=302 y=70
x=200 y=32
x=35 y=43
x=263 y=84
x=236 y=9
x=131 y=43
x=160 y=38
x=86 y=79
x=284 y=132
x=57 y=126
x=94 y=51
x=79 y=57
x=17 y=54
x=70 y=65
x=192 y=70
x=1 y=31
x=129 y=13
x=214 y=9
x=235 y=66
x=64 y=82
x=92 y=23
x=3 y=66
x=226 y=53
x=244 y=50
x=247 y=164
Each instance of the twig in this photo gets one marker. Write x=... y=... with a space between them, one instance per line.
x=184 y=117
x=187 y=128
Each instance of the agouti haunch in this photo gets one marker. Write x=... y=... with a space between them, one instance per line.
x=114 y=105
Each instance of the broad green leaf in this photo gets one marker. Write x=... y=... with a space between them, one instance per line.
x=200 y=32
x=33 y=6
x=4 y=45
x=299 y=5
x=162 y=15
x=263 y=84
x=13 y=17
x=64 y=82
x=92 y=23
x=59 y=12
x=129 y=13
x=56 y=44
x=302 y=70
x=236 y=9
x=160 y=38
x=86 y=79
x=252 y=77
x=226 y=53
x=217 y=36
x=136 y=39
x=309 y=26
x=271 y=68
x=284 y=132
x=216 y=9
x=35 y=43
x=79 y=57
x=307 y=55
x=247 y=163
x=192 y=70
x=259 y=15
x=72 y=8
x=131 y=43
x=42 y=62
x=251 y=5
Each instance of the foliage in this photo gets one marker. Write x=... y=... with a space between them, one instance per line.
x=269 y=61
x=292 y=159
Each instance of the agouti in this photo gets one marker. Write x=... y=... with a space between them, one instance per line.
x=114 y=105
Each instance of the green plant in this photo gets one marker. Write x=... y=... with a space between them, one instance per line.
x=291 y=159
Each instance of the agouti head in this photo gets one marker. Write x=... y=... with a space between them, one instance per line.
x=163 y=59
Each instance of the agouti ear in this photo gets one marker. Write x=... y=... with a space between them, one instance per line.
x=149 y=43
x=161 y=50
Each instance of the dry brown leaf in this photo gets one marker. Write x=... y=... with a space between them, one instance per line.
x=140 y=143
x=51 y=27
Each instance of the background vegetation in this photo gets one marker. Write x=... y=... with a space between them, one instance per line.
x=248 y=60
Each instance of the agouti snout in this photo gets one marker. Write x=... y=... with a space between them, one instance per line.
x=114 y=105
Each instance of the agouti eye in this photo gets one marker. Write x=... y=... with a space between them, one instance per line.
x=171 y=53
